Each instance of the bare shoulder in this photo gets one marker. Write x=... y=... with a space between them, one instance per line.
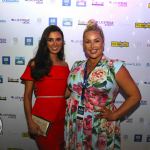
x=31 y=63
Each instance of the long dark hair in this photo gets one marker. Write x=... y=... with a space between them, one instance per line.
x=42 y=62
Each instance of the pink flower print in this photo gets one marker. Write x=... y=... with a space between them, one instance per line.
x=96 y=97
x=102 y=141
x=70 y=125
x=108 y=126
x=74 y=105
x=87 y=125
x=94 y=100
x=79 y=146
x=103 y=99
x=79 y=125
x=78 y=88
x=110 y=63
x=89 y=107
x=88 y=142
x=75 y=70
x=98 y=75
x=117 y=130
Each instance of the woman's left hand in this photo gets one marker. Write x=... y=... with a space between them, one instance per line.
x=107 y=114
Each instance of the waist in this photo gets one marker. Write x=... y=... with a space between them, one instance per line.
x=52 y=96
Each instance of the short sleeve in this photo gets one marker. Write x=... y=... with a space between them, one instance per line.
x=118 y=64
x=76 y=64
x=27 y=74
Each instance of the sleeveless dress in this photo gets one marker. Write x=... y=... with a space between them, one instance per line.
x=50 y=108
x=86 y=131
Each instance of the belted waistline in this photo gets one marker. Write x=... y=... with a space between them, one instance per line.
x=52 y=96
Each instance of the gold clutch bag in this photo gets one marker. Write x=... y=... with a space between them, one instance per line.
x=42 y=123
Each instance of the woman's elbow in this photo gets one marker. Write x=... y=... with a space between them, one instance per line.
x=138 y=97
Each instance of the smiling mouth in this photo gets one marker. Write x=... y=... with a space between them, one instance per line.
x=93 y=51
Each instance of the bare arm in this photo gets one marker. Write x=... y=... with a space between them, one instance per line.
x=28 y=100
x=133 y=96
x=67 y=92
x=127 y=84
x=33 y=127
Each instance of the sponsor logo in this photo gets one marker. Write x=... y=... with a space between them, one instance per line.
x=148 y=138
x=80 y=3
x=101 y=22
x=106 y=23
x=97 y=3
x=2 y=21
x=1 y=79
x=6 y=60
x=12 y=79
x=66 y=3
x=125 y=137
x=53 y=21
x=138 y=137
x=142 y=25
x=39 y=20
x=118 y=102
x=67 y=22
x=77 y=41
x=2 y=40
x=118 y=4
x=12 y=116
x=146 y=82
x=148 y=45
x=141 y=120
x=17 y=98
x=148 y=64
x=119 y=44
x=25 y=135
x=82 y=22
x=136 y=64
x=9 y=1
x=28 y=41
x=36 y=1
x=129 y=120
x=142 y=102
x=3 y=98
x=24 y=21
x=19 y=61
x=15 y=40
x=1 y=127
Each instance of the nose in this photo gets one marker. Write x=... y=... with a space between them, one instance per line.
x=92 y=45
x=54 y=42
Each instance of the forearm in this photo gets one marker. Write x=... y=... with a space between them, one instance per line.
x=129 y=104
x=28 y=109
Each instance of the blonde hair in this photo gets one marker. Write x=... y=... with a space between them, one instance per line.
x=92 y=25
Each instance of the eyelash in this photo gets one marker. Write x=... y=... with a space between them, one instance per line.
x=97 y=41
x=51 y=39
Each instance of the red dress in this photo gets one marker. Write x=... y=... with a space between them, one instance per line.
x=52 y=109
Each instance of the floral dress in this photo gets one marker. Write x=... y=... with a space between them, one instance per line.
x=91 y=132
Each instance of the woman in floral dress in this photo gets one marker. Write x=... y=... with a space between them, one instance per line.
x=92 y=120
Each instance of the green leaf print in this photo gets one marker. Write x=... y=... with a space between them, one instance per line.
x=98 y=85
x=109 y=79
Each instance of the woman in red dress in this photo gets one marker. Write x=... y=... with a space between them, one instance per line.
x=46 y=76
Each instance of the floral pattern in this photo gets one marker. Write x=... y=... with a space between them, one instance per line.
x=92 y=133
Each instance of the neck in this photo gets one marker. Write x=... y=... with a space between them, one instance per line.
x=93 y=62
x=54 y=58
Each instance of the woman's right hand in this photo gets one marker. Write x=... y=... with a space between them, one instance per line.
x=34 y=129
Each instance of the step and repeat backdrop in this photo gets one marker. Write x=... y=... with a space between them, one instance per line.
x=126 y=25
